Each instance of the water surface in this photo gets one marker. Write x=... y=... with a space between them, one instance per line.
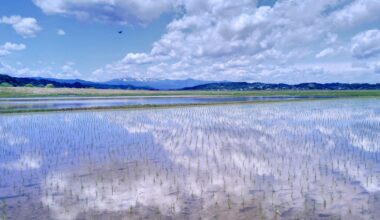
x=12 y=104
x=295 y=160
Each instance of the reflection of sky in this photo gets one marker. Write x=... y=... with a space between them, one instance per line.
x=51 y=103
x=316 y=158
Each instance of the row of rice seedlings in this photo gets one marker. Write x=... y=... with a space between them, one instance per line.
x=264 y=161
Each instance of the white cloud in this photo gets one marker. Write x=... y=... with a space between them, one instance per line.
x=325 y=52
x=61 y=32
x=212 y=33
x=356 y=13
x=366 y=44
x=66 y=71
x=120 y=11
x=8 y=48
x=206 y=37
x=376 y=67
x=137 y=58
x=26 y=27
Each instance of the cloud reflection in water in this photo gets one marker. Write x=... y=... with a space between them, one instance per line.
x=287 y=160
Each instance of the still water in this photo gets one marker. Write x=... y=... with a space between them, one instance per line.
x=78 y=103
x=295 y=160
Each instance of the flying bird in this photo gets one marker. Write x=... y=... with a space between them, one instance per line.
x=120 y=32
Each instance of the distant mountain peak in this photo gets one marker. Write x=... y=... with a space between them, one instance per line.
x=62 y=83
x=244 y=86
x=162 y=84
x=185 y=84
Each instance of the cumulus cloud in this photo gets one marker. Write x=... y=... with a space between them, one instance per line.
x=137 y=58
x=61 y=32
x=66 y=71
x=366 y=44
x=376 y=67
x=26 y=27
x=231 y=39
x=356 y=13
x=325 y=52
x=120 y=11
x=9 y=47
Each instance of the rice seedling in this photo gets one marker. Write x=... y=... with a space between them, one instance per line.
x=268 y=161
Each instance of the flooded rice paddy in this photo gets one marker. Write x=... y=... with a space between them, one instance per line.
x=294 y=160
x=54 y=103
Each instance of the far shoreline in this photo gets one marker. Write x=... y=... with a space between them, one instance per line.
x=34 y=92
x=167 y=106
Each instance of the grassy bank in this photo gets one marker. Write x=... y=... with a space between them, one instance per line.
x=19 y=92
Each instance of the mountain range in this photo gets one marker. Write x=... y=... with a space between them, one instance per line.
x=244 y=86
x=167 y=84
x=6 y=80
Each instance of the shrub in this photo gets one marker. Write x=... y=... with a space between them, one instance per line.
x=5 y=84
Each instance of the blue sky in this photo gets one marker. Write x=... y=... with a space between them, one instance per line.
x=240 y=40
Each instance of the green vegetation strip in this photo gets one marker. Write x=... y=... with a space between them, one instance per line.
x=24 y=92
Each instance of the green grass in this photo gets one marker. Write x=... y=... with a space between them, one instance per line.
x=19 y=92
x=24 y=92
x=149 y=106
